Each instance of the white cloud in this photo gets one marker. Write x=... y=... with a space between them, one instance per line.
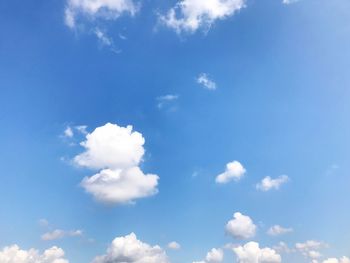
x=234 y=171
x=118 y=152
x=268 y=183
x=13 y=254
x=166 y=99
x=241 y=226
x=278 y=230
x=130 y=249
x=204 y=80
x=310 y=248
x=191 y=15
x=97 y=9
x=174 y=245
x=59 y=234
x=252 y=253
x=288 y=2
x=43 y=222
x=335 y=260
x=68 y=132
x=120 y=186
x=215 y=255
x=282 y=247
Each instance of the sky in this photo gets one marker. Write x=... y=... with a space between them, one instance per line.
x=177 y=131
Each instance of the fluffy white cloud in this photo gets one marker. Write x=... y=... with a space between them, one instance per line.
x=58 y=234
x=241 y=226
x=118 y=151
x=268 y=183
x=190 y=15
x=13 y=254
x=335 y=260
x=93 y=9
x=131 y=250
x=234 y=171
x=204 y=80
x=215 y=255
x=174 y=245
x=252 y=253
x=310 y=248
x=278 y=230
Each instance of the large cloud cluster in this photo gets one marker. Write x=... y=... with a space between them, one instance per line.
x=118 y=152
x=13 y=254
x=252 y=253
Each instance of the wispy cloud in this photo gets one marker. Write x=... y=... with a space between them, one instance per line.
x=207 y=83
x=166 y=99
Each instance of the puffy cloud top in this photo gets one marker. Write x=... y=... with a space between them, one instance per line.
x=252 y=253
x=234 y=171
x=13 y=254
x=241 y=226
x=131 y=250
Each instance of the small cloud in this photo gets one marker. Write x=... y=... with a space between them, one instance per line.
x=288 y=2
x=68 y=132
x=241 y=226
x=105 y=40
x=59 y=234
x=277 y=230
x=174 y=245
x=166 y=99
x=204 y=80
x=81 y=129
x=268 y=183
x=234 y=171
x=43 y=222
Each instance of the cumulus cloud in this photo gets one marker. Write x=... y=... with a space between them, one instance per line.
x=118 y=152
x=59 y=234
x=234 y=171
x=215 y=255
x=252 y=253
x=268 y=183
x=130 y=249
x=166 y=99
x=335 y=260
x=310 y=248
x=191 y=15
x=174 y=245
x=13 y=254
x=97 y=9
x=204 y=80
x=277 y=230
x=241 y=226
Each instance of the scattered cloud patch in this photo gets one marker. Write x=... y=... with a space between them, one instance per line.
x=166 y=100
x=130 y=249
x=92 y=10
x=234 y=171
x=335 y=260
x=277 y=230
x=268 y=183
x=68 y=132
x=117 y=152
x=13 y=254
x=310 y=248
x=190 y=15
x=204 y=80
x=288 y=2
x=59 y=234
x=252 y=253
x=174 y=245
x=215 y=255
x=241 y=226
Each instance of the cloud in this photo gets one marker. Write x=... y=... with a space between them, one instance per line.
x=310 y=248
x=204 y=80
x=59 y=234
x=215 y=255
x=117 y=152
x=234 y=171
x=283 y=248
x=130 y=249
x=13 y=254
x=191 y=15
x=166 y=99
x=174 y=245
x=241 y=227
x=97 y=9
x=68 y=132
x=268 y=183
x=252 y=253
x=335 y=260
x=288 y=2
x=278 y=230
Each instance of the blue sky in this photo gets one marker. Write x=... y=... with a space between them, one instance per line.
x=246 y=89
